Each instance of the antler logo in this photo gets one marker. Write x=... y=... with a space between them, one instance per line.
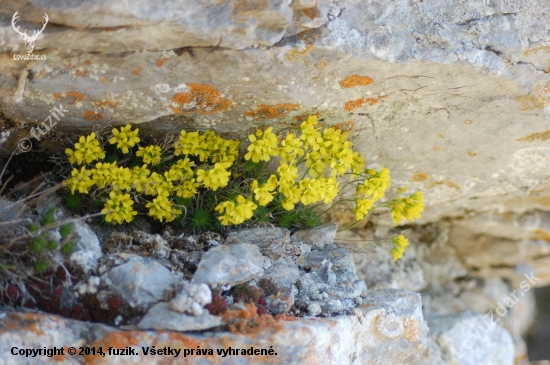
x=29 y=41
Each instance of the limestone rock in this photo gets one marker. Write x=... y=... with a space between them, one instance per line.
x=161 y=316
x=232 y=264
x=318 y=237
x=141 y=282
x=394 y=333
x=469 y=339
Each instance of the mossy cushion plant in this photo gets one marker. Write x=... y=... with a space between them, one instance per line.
x=202 y=180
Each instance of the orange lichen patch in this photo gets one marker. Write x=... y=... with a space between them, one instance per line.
x=355 y=80
x=103 y=80
x=69 y=65
x=312 y=13
x=348 y=126
x=372 y=101
x=383 y=96
x=137 y=70
x=161 y=62
x=296 y=55
x=72 y=96
x=542 y=136
x=444 y=182
x=78 y=73
x=528 y=102
x=88 y=61
x=271 y=111
x=92 y=116
x=468 y=121
x=353 y=104
x=203 y=99
x=540 y=234
x=247 y=321
x=105 y=104
x=437 y=148
x=472 y=153
x=420 y=177
x=536 y=50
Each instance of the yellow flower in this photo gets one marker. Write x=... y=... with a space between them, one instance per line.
x=291 y=147
x=140 y=176
x=122 y=178
x=191 y=143
x=119 y=208
x=400 y=244
x=125 y=138
x=214 y=178
x=150 y=154
x=408 y=208
x=102 y=174
x=87 y=149
x=80 y=180
x=162 y=208
x=362 y=208
x=376 y=185
x=187 y=189
x=287 y=173
x=236 y=212
x=263 y=146
x=263 y=193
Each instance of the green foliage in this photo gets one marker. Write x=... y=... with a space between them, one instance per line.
x=65 y=230
x=40 y=267
x=33 y=227
x=49 y=217
x=68 y=247
x=74 y=202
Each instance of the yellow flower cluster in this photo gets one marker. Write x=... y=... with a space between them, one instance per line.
x=162 y=208
x=207 y=146
x=400 y=244
x=86 y=150
x=236 y=212
x=372 y=189
x=263 y=147
x=124 y=138
x=150 y=154
x=408 y=207
x=119 y=208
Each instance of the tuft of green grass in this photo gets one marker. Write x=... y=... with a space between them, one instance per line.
x=68 y=247
x=287 y=219
x=40 y=267
x=49 y=218
x=199 y=220
x=74 y=202
x=66 y=230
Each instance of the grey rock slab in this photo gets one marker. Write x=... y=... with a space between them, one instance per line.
x=160 y=316
x=468 y=338
x=87 y=251
x=341 y=260
x=229 y=264
x=318 y=237
x=141 y=281
x=283 y=273
x=262 y=237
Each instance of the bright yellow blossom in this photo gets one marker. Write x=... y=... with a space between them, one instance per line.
x=119 y=208
x=162 y=208
x=80 y=180
x=263 y=146
x=150 y=154
x=87 y=149
x=125 y=138
x=400 y=244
